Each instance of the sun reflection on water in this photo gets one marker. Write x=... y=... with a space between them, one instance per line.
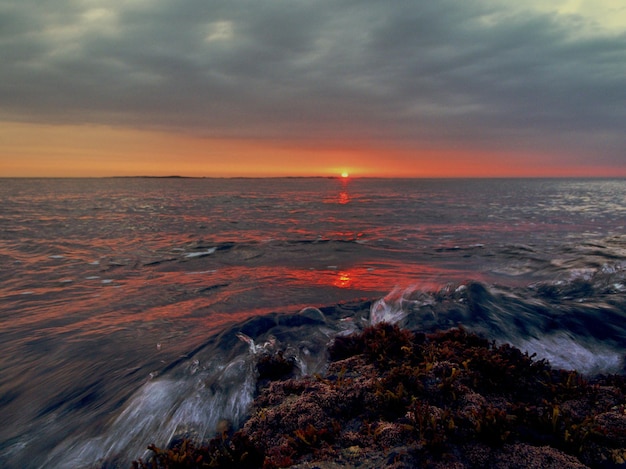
x=343 y=280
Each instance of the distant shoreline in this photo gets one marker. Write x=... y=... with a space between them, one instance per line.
x=338 y=177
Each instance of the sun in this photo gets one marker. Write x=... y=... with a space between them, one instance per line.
x=345 y=174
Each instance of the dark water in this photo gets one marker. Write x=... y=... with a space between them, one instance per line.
x=131 y=309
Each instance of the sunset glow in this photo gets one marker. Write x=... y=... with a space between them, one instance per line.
x=102 y=151
x=208 y=104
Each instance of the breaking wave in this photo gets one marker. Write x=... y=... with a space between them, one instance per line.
x=578 y=324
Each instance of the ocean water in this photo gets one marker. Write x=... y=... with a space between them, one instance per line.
x=131 y=309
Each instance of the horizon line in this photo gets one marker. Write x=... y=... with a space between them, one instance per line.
x=314 y=177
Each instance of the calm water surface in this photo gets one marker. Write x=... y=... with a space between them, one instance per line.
x=107 y=285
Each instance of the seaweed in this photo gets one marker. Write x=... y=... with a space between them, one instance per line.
x=393 y=397
x=223 y=451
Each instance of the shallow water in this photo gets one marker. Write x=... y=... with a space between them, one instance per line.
x=120 y=299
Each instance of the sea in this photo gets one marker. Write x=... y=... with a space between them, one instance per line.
x=132 y=309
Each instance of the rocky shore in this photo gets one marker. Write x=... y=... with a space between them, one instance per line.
x=396 y=398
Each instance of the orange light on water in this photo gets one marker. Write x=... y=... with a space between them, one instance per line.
x=343 y=280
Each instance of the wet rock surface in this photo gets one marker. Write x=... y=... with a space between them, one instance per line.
x=395 y=398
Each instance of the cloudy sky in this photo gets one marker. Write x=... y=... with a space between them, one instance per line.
x=312 y=87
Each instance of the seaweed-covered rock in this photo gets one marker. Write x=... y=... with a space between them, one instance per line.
x=274 y=366
x=523 y=456
x=394 y=398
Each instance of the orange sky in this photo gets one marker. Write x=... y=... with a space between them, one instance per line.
x=392 y=89
x=28 y=150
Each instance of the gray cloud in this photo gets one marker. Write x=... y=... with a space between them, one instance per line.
x=468 y=74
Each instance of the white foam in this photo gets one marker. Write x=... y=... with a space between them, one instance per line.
x=564 y=352
x=161 y=409
x=388 y=312
x=201 y=253
x=394 y=307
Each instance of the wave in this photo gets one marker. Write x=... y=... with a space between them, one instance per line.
x=578 y=324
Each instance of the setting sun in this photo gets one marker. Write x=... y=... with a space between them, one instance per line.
x=344 y=174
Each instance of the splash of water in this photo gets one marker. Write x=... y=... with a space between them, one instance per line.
x=574 y=325
x=218 y=383
x=165 y=408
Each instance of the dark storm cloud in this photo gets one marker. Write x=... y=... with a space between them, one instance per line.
x=465 y=73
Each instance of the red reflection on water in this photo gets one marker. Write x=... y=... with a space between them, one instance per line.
x=122 y=300
x=366 y=278
x=344 y=196
x=343 y=280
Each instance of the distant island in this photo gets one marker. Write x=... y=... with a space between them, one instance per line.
x=156 y=177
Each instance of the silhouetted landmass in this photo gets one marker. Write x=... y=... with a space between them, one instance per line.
x=155 y=177
x=231 y=177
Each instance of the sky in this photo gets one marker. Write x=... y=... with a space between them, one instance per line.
x=418 y=88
